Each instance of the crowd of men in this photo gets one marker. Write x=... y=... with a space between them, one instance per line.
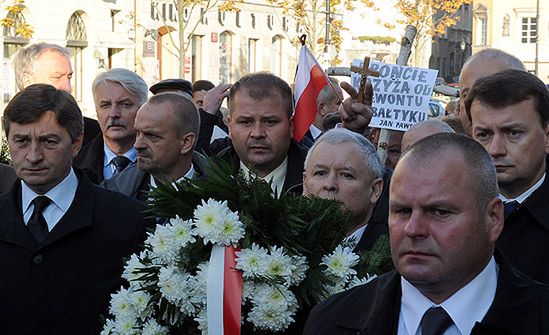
x=466 y=214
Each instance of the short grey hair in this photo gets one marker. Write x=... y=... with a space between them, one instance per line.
x=342 y=135
x=24 y=59
x=131 y=82
x=500 y=56
x=327 y=93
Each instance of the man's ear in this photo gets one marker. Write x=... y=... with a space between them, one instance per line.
x=305 y=191
x=229 y=124
x=494 y=215
x=187 y=142
x=377 y=188
x=77 y=145
x=27 y=79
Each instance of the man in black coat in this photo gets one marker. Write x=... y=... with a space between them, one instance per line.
x=61 y=242
x=510 y=117
x=167 y=128
x=444 y=219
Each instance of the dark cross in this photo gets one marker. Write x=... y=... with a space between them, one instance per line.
x=364 y=72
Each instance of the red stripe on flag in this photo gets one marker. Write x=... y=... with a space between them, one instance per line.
x=305 y=110
x=232 y=293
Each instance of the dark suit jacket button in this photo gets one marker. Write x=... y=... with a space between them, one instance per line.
x=38 y=259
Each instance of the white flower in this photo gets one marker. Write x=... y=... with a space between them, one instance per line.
x=217 y=224
x=121 y=305
x=278 y=265
x=250 y=260
x=182 y=231
x=201 y=284
x=273 y=307
x=355 y=281
x=340 y=263
x=208 y=216
x=125 y=326
x=132 y=265
x=151 y=327
x=164 y=246
x=108 y=327
x=178 y=288
x=300 y=268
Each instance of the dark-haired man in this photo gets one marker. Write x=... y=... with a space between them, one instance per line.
x=62 y=245
x=510 y=117
x=444 y=219
x=260 y=128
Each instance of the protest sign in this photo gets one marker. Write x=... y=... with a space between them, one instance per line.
x=401 y=94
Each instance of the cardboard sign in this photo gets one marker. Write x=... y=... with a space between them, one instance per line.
x=401 y=94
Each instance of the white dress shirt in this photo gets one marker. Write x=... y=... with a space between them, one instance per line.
x=276 y=177
x=61 y=197
x=467 y=306
x=187 y=175
x=108 y=165
x=521 y=198
x=315 y=132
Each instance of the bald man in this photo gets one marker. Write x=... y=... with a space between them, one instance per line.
x=480 y=65
x=423 y=129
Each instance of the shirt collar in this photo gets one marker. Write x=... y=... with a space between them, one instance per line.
x=465 y=307
x=276 y=177
x=315 y=132
x=61 y=195
x=521 y=198
x=109 y=155
x=187 y=175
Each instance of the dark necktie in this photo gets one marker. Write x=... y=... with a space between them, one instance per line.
x=435 y=321
x=120 y=163
x=509 y=207
x=37 y=224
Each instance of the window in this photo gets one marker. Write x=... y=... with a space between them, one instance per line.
x=276 y=47
x=196 y=57
x=225 y=57
x=252 y=55
x=529 y=30
x=76 y=42
x=483 y=22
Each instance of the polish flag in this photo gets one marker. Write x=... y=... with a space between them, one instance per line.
x=224 y=295
x=309 y=80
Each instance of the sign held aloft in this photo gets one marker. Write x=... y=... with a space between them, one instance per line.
x=401 y=94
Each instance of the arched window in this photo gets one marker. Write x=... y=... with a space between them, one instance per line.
x=77 y=40
x=481 y=16
x=276 y=47
x=225 y=57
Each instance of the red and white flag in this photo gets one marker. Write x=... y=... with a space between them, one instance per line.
x=224 y=296
x=309 y=80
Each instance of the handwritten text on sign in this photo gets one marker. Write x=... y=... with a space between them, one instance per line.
x=401 y=94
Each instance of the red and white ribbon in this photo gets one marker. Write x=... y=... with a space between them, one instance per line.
x=224 y=296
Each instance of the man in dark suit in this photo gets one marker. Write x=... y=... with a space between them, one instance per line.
x=45 y=63
x=444 y=220
x=167 y=128
x=510 y=117
x=61 y=242
x=7 y=177
x=118 y=94
x=344 y=166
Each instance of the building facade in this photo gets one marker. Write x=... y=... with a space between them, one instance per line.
x=513 y=26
